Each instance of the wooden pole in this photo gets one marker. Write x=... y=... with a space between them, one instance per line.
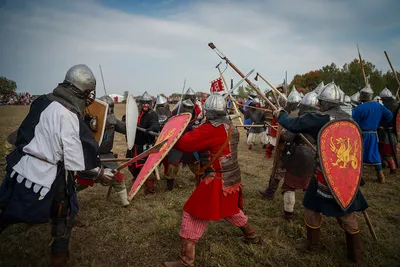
x=232 y=99
x=263 y=109
x=362 y=66
x=370 y=227
x=273 y=91
x=395 y=75
x=273 y=87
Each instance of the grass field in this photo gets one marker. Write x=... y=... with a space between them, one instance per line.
x=146 y=233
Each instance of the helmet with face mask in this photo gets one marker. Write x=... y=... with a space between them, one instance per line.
x=83 y=82
x=109 y=101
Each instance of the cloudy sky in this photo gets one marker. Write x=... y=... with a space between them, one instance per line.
x=153 y=45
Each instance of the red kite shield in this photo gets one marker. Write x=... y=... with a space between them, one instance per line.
x=340 y=148
x=172 y=130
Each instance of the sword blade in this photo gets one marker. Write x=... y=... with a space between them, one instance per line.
x=238 y=84
x=152 y=150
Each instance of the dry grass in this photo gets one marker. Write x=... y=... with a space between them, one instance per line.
x=146 y=234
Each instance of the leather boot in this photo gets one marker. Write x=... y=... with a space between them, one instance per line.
x=250 y=236
x=187 y=254
x=170 y=184
x=269 y=193
x=380 y=176
x=312 y=240
x=78 y=222
x=123 y=196
x=392 y=165
x=354 y=251
x=250 y=147
x=59 y=260
x=149 y=187
x=289 y=215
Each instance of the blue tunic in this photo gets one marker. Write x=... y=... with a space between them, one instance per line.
x=368 y=116
x=248 y=102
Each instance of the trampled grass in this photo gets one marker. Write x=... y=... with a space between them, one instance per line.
x=146 y=233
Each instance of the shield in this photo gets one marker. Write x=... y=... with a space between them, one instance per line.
x=131 y=119
x=172 y=130
x=98 y=110
x=398 y=124
x=340 y=149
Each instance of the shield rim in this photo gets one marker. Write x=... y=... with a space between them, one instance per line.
x=151 y=170
x=103 y=127
x=323 y=169
x=130 y=137
x=397 y=124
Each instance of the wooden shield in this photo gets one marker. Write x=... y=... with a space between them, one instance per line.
x=131 y=119
x=172 y=130
x=98 y=109
x=398 y=124
x=340 y=149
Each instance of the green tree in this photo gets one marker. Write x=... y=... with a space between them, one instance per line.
x=126 y=93
x=242 y=92
x=175 y=95
x=7 y=87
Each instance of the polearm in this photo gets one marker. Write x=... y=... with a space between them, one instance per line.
x=231 y=97
x=183 y=89
x=102 y=79
x=362 y=66
x=275 y=90
x=395 y=75
x=263 y=109
x=222 y=56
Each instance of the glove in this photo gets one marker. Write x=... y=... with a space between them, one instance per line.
x=104 y=177
x=277 y=112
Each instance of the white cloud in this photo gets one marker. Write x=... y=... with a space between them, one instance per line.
x=141 y=52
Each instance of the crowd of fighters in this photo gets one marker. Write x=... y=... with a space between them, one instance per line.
x=53 y=155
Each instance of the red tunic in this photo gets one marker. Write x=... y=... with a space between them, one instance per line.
x=209 y=201
x=274 y=122
x=197 y=109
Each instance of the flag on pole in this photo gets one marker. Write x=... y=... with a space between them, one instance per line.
x=216 y=86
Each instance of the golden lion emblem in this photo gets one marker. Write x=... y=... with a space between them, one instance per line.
x=343 y=153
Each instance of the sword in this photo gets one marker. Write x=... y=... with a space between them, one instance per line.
x=104 y=85
x=238 y=84
x=152 y=150
x=183 y=89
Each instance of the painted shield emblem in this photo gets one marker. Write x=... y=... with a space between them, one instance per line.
x=398 y=124
x=340 y=148
x=98 y=111
x=131 y=119
x=172 y=130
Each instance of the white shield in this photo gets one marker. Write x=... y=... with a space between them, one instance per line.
x=131 y=119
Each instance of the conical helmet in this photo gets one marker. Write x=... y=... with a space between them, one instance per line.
x=347 y=99
x=145 y=98
x=108 y=100
x=310 y=100
x=161 y=100
x=190 y=92
x=366 y=93
x=386 y=93
x=330 y=93
x=355 y=99
x=294 y=96
x=319 y=88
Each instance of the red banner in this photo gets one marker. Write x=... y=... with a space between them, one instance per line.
x=216 y=86
x=340 y=148
x=172 y=130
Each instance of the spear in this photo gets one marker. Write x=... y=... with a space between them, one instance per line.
x=183 y=89
x=362 y=66
x=395 y=75
x=102 y=78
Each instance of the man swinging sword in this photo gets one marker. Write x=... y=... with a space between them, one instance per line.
x=336 y=134
x=219 y=194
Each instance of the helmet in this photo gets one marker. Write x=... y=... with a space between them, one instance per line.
x=108 y=100
x=81 y=77
x=347 y=99
x=294 y=96
x=187 y=106
x=378 y=99
x=253 y=95
x=256 y=100
x=161 y=100
x=386 y=93
x=310 y=100
x=366 y=93
x=330 y=93
x=190 y=92
x=145 y=98
x=319 y=88
x=215 y=106
x=355 y=99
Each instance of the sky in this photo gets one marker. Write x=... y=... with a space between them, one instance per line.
x=154 y=45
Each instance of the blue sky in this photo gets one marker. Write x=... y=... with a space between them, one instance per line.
x=154 y=45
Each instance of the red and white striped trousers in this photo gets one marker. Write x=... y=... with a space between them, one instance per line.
x=193 y=228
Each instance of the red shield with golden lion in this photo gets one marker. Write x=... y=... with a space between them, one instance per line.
x=340 y=148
